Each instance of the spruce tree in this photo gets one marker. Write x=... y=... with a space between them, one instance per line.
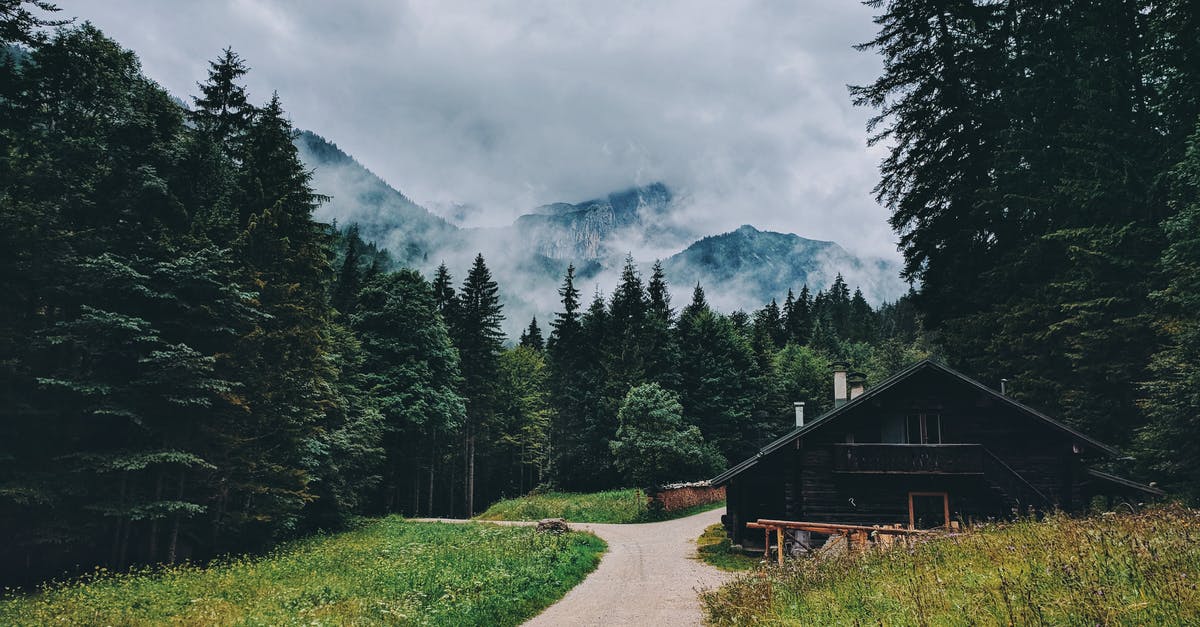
x=532 y=336
x=412 y=372
x=479 y=341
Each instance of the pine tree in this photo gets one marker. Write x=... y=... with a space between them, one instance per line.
x=862 y=322
x=799 y=321
x=625 y=351
x=721 y=384
x=347 y=285
x=532 y=336
x=285 y=362
x=223 y=111
x=661 y=351
x=412 y=371
x=1170 y=439
x=444 y=297
x=479 y=341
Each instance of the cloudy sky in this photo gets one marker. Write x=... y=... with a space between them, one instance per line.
x=740 y=106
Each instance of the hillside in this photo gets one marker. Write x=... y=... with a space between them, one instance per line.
x=752 y=266
x=384 y=214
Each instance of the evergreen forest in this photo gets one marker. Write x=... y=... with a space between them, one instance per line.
x=192 y=366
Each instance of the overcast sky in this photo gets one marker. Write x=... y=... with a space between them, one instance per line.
x=741 y=106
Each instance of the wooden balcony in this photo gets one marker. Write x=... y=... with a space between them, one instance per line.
x=909 y=459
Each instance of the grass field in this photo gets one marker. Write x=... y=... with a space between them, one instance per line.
x=1125 y=569
x=714 y=549
x=614 y=506
x=387 y=572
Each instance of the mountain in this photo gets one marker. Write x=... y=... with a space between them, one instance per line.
x=741 y=269
x=747 y=267
x=591 y=229
x=384 y=215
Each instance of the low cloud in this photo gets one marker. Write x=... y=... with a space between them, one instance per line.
x=741 y=107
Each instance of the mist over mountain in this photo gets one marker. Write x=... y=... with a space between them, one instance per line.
x=742 y=269
x=748 y=267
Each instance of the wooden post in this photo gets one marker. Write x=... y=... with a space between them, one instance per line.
x=779 y=538
x=766 y=544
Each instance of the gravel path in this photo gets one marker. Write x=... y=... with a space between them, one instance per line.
x=649 y=576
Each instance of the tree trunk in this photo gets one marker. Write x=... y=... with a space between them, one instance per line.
x=432 y=461
x=171 y=548
x=470 y=474
x=116 y=545
x=158 y=488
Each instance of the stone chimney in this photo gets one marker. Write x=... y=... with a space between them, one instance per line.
x=799 y=405
x=840 y=395
x=858 y=384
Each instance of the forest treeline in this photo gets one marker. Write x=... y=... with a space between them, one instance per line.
x=190 y=365
x=1042 y=173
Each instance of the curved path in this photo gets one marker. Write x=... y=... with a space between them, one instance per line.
x=649 y=576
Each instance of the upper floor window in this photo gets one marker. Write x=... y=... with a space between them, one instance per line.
x=924 y=429
x=919 y=428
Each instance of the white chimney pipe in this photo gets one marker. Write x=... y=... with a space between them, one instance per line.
x=799 y=405
x=839 y=384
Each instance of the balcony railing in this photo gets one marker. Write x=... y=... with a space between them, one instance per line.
x=938 y=459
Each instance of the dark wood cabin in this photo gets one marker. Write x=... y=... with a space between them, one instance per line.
x=925 y=447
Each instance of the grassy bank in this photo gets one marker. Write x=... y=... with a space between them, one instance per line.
x=714 y=549
x=390 y=572
x=1107 y=570
x=613 y=506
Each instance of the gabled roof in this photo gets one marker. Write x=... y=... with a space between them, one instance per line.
x=890 y=382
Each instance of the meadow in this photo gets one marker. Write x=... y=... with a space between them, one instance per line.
x=613 y=506
x=1114 y=569
x=388 y=571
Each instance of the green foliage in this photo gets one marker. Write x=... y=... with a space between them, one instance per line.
x=1028 y=149
x=1171 y=439
x=610 y=506
x=387 y=572
x=411 y=372
x=1105 y=570
x=653 y=444
x=522 y=429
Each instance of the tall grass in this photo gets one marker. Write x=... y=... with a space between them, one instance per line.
x=713 y=548
x=388 y=572
x=1116 y=569
x=613 y=506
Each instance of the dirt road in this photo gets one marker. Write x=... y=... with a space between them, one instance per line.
x=649 y=576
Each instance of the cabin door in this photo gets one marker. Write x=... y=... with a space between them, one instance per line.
x=927 y=510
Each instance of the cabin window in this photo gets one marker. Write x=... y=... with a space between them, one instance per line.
x=924 y=429
x=894 y=431
x=927 y=510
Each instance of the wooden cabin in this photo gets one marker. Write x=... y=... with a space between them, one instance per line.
x=925 y=447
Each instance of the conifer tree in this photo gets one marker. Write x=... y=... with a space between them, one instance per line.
x=347 y=285
x=479 y=341
x=412 y=372
x=532 y=336
x=660 y=349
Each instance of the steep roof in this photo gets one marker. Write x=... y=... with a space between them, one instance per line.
x=893 y=381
